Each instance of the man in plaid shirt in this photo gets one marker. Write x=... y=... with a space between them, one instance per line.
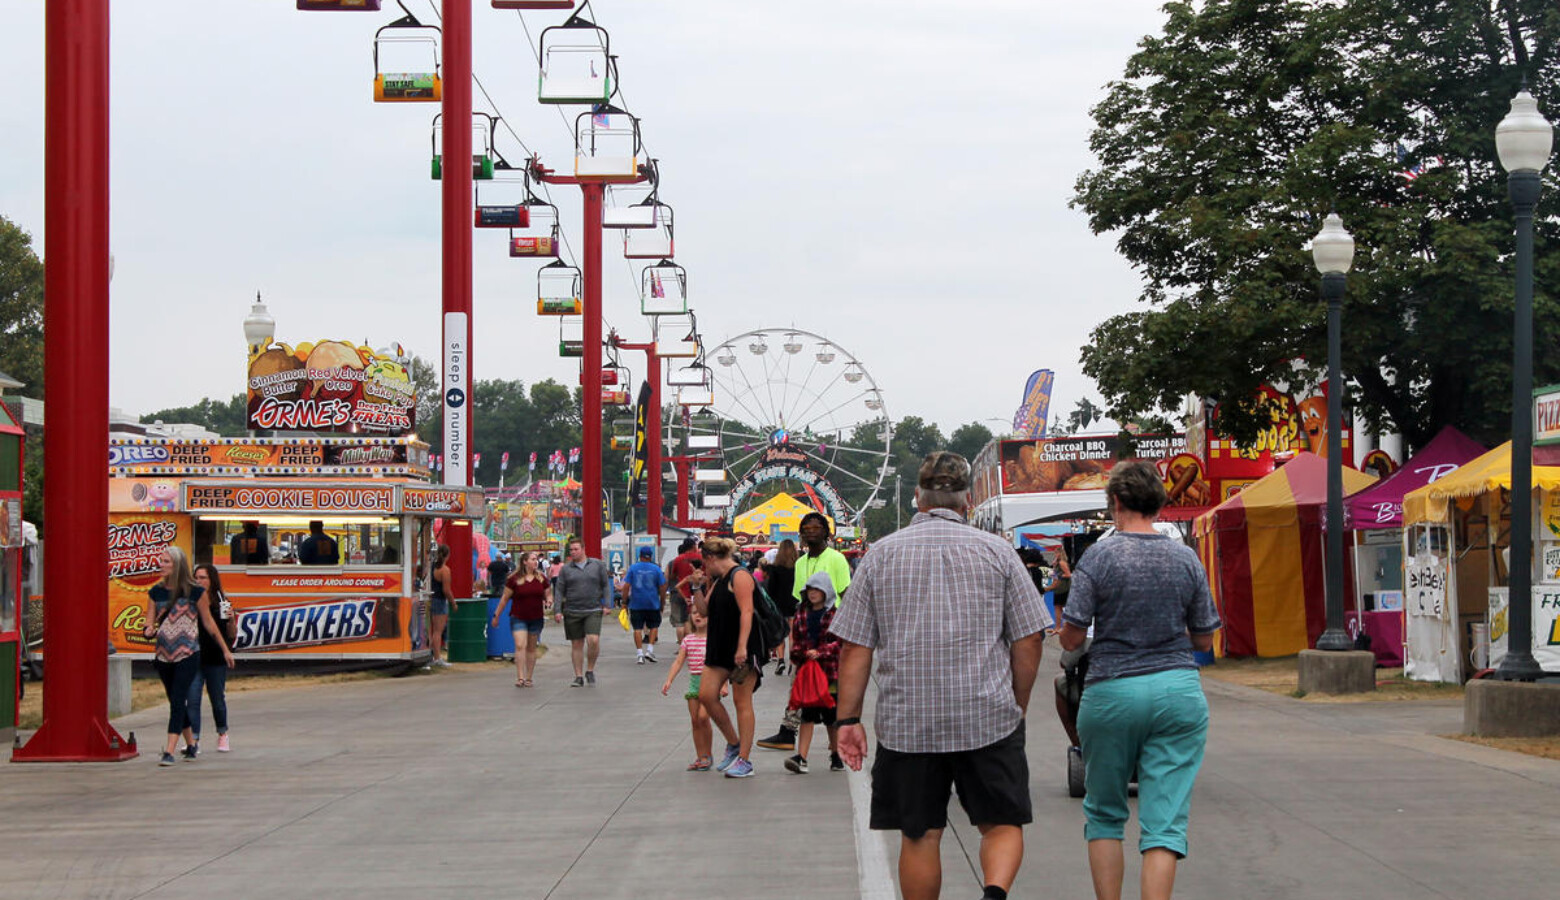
x=956 y=626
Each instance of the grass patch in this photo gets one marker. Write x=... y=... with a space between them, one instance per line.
x=1281 y=675
x=1546 y=747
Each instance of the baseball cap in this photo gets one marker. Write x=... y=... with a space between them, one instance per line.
x=646 y=552
x=944 y=470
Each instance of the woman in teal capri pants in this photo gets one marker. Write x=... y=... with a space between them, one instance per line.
x=1146 y=596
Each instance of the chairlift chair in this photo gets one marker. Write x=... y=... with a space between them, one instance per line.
x=696 y=396
x=339 y=5
x=693 y=374
x=540 y=237
x=533 y=4
x=663 y=289
x=676 y=337
x=483 y=163
x=571 y=337
x=559 y=290
x=496 y=212
x=651 y=243
x=623 y=432
x=576 y=63
x=418 y=44
x=606 y=145
x=633 y=206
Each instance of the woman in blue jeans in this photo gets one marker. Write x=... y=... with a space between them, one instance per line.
x=1143 y=711
x=216 y=657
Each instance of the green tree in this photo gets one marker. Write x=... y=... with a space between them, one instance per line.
x=21 y=308
x=229 y=419
x=1229 y=136
x=969 y=439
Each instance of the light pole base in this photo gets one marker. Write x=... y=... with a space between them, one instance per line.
x=1334 y=640
x=1337 y=671
x=1519 y=667
x=1511 y=709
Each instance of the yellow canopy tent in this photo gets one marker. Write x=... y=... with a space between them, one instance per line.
x=781 y=510
x=1490 y=472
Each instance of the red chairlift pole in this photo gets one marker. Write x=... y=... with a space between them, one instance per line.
x=455 y=185
x=653 y=430
x=75 y=707
x=594 y=193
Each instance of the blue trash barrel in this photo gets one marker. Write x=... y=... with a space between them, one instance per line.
x=500 y=640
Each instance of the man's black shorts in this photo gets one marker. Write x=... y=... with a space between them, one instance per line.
x=910 y=790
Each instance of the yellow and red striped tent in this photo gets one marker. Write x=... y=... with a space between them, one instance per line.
x=1263 y=549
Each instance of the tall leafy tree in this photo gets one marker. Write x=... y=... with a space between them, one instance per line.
x=967 y=440
x=21 y=308
x=1232 y=133
x=227 y=418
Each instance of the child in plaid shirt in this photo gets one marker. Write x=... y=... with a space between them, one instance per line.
x=810 y=640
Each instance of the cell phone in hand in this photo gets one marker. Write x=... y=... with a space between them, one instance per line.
x=740 y=673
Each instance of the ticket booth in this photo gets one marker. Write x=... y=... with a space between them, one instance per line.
x=11 y=549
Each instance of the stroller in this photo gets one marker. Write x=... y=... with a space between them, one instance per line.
x=1069 y=696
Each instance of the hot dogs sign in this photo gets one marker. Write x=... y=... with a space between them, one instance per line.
x=330 y=386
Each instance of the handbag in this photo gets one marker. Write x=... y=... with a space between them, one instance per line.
x=810 y=688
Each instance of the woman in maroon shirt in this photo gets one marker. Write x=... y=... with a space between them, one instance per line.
x=528 y=596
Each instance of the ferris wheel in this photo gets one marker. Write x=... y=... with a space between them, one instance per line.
x=783 y=387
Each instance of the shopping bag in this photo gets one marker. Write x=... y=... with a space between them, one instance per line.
x=810 y=688
x=623 y=619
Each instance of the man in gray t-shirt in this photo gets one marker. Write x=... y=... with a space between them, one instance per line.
x=1135 y=631
x=582 y=589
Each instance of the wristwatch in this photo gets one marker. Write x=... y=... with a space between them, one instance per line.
x=850 y=720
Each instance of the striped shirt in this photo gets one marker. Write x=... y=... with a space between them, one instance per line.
x=940 y=603
x=693 y=646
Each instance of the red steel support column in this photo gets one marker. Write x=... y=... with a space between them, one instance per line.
x=653 y=456
x=590 y=449
x=75 y=451
x=456 y=208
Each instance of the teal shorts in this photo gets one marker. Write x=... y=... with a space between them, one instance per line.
x=1157 y=726
x=693 y=687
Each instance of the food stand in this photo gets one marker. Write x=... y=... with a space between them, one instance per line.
x=370 y=493
x=12 y=548
x=1455 y=576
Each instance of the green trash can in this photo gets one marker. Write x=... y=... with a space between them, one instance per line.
x=468 y=631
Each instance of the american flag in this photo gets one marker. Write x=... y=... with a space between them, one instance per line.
x=601 y=120
x=1415 y=170
x=657 y=290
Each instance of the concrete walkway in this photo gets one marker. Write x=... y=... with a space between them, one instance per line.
x=458 y=784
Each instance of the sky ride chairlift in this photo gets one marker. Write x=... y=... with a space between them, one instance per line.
x=576 y=64
x=571 y=337
x=607 y=145
x=502 y=215
x=484 y=159
x=540 y=236
x=651 y=243
x=559 y=290
x=533 y=4
x=639 y=214
x=340 y=5
x=682 y=336
x=663 y=289
x=406 y=42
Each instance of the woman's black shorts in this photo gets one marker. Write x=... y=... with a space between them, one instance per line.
x=910 y=790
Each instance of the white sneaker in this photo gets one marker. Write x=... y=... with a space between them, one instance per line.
x=640 y=661
x=650 y=655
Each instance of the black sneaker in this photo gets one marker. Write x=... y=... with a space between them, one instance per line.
x=191 y=752
x=784 y=739
x=167 y=760
x=797 y=764
x=577 y=682
x=835 y=763
x=590 y=678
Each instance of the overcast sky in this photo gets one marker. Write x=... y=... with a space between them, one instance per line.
x=892 y=174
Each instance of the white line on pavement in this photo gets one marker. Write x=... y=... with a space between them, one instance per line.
x=877 y=881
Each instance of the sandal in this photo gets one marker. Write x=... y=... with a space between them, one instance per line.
x=702 y=764
x=525 y=682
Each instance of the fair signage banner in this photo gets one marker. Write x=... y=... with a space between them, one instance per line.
x=1430 y=645
x=1546 y=626
x=456 y=383
x=1546 y=415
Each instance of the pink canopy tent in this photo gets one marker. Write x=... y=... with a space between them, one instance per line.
x=1381 y=504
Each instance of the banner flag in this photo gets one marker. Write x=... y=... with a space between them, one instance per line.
x=636 y=477
x=1029 y=422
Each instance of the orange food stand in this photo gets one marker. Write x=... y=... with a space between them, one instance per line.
x=371 y=495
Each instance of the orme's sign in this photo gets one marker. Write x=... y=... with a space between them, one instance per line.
x=833 y=504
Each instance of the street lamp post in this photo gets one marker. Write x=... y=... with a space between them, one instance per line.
x=1523 y=140
x=1333 y=252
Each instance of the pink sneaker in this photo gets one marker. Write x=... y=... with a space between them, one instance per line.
x=222 y=743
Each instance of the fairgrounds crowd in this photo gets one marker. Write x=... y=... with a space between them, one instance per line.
x=949 y=620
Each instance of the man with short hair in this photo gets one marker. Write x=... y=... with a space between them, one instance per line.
x=819 y=557
x=645 y=587
x=681 y=566
x=319 y=548
x=956 y=626
x=583 y=587
x=249 y=548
